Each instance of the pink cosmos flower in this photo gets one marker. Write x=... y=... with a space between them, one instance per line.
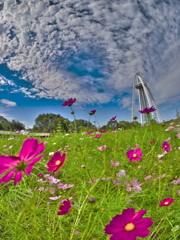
x=23 y=163
x=52 y=180
x=121 y=174
x=40 y=175
x=106 y=179
x=166 y=202
x=69 y=102
x=52 y=190
x=129 y=225
x=169 y=128
x=65 y=207
x=115 y=182
x=134 y=155
x=133 y=185
x=113 y=118
x=160 y=155
x=89 y=132
x=98 y=136
x=166 y=146
x=113 y=164
x=56 y=162
x=102 y=131
x=178 y=135
x=64 y=186
x=148 y=110
x=102 y=148
x=54 y=198
x=92 y=112
x=177 y=181
x=147 y=177
x=113 y=131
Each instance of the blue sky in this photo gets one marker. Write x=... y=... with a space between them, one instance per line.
x=90 y=50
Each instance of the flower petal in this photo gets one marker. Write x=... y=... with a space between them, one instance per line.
x=40 y=148
x=128 y=214
x=28 y=148
x=31 y=165
x=18 y=177
x=138 y=215
x=144 y=223
x=124 y=235
x=7 y=177
x=141 y=232
x=117 y=224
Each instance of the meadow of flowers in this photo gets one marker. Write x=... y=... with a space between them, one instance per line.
x=118 y=185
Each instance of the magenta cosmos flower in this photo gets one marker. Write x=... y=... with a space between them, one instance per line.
x=148 y=110
x=134 y=155
x=92 y=112
x=129 y=225
x=56 y=162
x=102 y=131
x=69 y=102
x=65 y=207
x=102 y=148
x=166 y=146
x=98 y=136
x=166 y=202
x=23 y=162
x=113 y=118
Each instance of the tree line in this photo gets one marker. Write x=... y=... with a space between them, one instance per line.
x=51 y=122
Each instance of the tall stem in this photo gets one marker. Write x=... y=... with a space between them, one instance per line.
x=72 y=112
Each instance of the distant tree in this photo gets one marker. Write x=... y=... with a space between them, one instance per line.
x=83 y=124
x=136 y=124
x=124 y=124
x=17 y=126
x=112 y=124
x=49 y=122
x=1 y=126
x=4 y=124
x=153 y=121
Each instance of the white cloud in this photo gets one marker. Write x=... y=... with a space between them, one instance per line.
x=50 y=43
x=5 y=81
x=8 y=103
x=125 y=102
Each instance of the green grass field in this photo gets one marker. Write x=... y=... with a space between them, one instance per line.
x=28 y=213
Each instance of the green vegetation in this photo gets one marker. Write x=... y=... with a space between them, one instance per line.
x=28 y=213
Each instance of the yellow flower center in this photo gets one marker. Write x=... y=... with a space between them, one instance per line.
x=129 y=227
x=58 y=162
x=134 y=155
x=21 y=166
x=166 y=203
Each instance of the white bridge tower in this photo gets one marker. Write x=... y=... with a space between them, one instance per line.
x=146 y=99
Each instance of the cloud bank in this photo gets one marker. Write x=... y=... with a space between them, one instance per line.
x=8 y=103
x=91 y=50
